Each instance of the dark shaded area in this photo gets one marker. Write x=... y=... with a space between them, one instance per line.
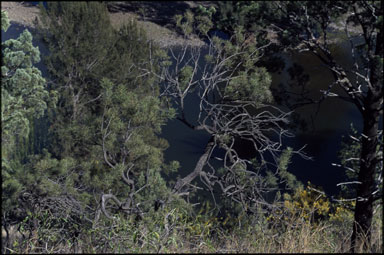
x=28 y=4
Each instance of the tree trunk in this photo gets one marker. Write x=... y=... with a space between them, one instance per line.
x=368 y=163
x=198 y=168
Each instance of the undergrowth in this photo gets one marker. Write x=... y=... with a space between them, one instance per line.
x=305 y=221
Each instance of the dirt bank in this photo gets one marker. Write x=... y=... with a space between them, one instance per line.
x=25 y=14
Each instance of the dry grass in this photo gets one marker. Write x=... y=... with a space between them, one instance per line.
x=298 y=236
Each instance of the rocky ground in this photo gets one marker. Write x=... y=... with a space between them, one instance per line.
x=20 y=13
x=155 y=17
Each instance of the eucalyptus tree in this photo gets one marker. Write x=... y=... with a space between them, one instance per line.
x=307 y=26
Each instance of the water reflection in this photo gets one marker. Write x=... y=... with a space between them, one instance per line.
x=326 y=122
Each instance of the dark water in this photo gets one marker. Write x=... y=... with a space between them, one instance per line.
x=325 y=129
x=323 y=138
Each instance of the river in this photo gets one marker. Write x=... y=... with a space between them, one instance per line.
x=322 y=136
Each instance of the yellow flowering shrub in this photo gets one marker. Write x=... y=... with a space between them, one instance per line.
x=203 y=224
x=343 y=212
x=307 y=203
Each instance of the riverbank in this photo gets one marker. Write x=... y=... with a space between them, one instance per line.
x=155 y=18
x=25 y=14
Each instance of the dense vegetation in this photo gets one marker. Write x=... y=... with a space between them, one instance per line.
x=83 y=164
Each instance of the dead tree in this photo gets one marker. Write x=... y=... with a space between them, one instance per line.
x=234 y=103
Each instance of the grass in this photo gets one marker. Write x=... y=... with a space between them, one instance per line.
x=173 y=231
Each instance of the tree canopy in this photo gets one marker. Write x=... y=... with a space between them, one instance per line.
x=24 y=97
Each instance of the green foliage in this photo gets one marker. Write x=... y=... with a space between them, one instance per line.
x=135 y=119
x=107 y=119
x=248 y=81
x=198 y=22
x=185 y=22
x=79 y=60
x=88 y=52
x=249 y=15
x=306 y=25
x=250 y=85
x=172 y=167
x=185 y=76
x=204 y=24
x=23 y=88
x=289 y=179
x=4 y=21
x=201 y=10
x=24 y=97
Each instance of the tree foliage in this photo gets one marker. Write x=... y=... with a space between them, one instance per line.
x=104 y=131
x=246 y=14
x=24 y=97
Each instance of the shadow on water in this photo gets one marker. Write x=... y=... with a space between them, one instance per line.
x=326 y=122
x=45 y=4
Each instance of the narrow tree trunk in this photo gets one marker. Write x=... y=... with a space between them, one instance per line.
x=198 y=168
x=368 y=163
